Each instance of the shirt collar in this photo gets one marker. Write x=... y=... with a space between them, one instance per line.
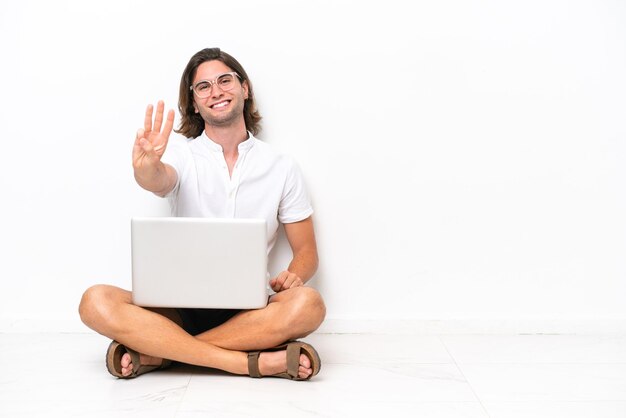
x=242 y=147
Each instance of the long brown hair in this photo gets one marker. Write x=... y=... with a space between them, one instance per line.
x=191 y=123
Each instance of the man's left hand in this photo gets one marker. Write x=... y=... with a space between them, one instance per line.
x=285 y=280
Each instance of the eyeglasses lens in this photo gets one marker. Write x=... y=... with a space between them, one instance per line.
x=225 y=82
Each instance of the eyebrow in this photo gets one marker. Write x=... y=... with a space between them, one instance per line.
x=236 y=74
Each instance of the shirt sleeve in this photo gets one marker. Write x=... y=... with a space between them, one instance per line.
x=176 y=156
x=295 y=204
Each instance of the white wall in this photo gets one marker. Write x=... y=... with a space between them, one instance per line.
x=466 y=158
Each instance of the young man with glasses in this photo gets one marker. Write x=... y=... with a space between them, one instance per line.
x=219 y=170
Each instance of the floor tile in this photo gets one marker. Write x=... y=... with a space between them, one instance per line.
x=596 y=409
x=547 y=382
x=362 y=375
x=35 y=380
x=130 y=408
x=54 y=348
x=339 y=382
x=379 y=349
x=536 y=349
x=339 y=409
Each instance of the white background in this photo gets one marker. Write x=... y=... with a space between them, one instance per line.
x=465 y=158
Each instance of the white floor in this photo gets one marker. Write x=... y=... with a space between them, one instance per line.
x=50 y=375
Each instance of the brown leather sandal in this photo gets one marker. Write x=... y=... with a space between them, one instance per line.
x=294 y=349
x=114 y=360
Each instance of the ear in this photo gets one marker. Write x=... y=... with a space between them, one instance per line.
x=245 y=88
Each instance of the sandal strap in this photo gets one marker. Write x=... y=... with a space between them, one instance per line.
x=138 y=368
x=134 y=358
x=293 y=359
x=143 y=369
x=253 y=364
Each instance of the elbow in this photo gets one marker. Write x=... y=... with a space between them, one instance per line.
x=315 y=262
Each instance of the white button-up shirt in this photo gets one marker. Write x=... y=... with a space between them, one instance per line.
x=264 y=184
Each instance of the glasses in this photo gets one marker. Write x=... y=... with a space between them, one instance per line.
x=225 y=82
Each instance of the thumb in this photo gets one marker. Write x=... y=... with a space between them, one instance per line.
x=274 y=285
x=138 y=137
x=148 y=149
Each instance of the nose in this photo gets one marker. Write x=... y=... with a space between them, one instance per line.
x=216 y=90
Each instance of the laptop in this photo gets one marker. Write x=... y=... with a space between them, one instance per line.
x=199 y=263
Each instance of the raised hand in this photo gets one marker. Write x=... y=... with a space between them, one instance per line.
x=151 y=141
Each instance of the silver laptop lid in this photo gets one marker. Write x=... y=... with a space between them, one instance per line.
x=199 y=263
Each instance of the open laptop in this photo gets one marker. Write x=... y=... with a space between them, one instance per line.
x=199 y=263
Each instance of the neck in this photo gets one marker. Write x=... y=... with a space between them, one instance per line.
x=229 y=137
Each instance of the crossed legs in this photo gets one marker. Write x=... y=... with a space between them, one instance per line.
x=157 y=333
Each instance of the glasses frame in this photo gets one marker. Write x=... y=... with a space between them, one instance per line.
x=213 y=83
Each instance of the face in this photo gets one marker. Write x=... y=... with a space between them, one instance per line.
x=220 y=108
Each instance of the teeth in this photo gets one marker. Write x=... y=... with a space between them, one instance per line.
x=221 y=104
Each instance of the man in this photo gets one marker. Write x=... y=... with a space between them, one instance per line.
x=219 y=170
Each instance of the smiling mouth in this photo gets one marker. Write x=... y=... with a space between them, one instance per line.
x=219 y=105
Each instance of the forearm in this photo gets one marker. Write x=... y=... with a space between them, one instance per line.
x=304 y=263
x=159 y=178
